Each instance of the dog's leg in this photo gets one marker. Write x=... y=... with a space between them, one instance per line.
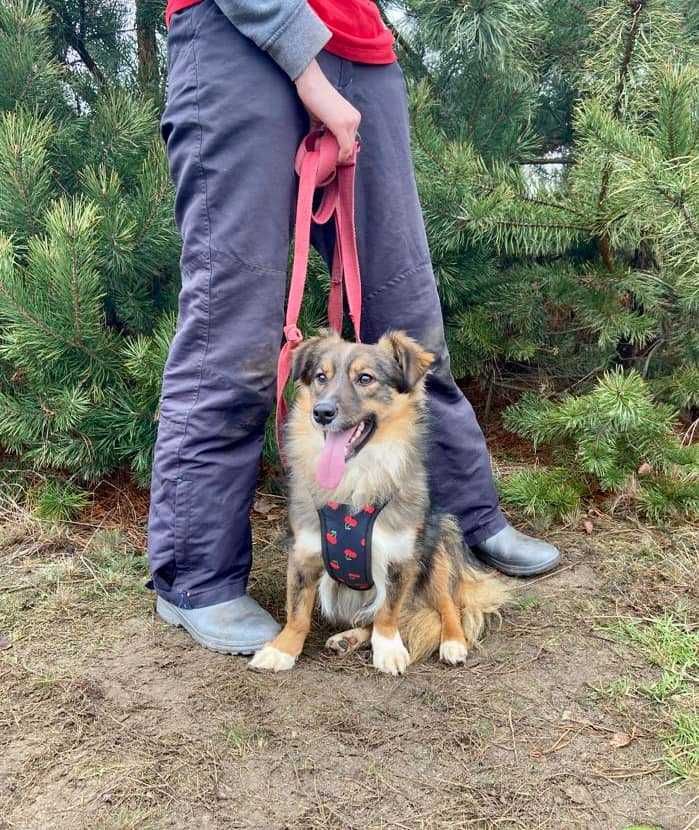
x=348 y=641
x=390 y=655
x=453 y=647
x=303 y=575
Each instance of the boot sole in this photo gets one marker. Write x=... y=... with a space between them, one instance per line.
x=518 y=570
x=170 y=614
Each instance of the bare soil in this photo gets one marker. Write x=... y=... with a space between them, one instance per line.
x=111 y=719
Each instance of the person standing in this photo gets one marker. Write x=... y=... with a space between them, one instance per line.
x=243 y=78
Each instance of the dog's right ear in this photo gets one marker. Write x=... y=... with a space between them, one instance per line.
x=305 y=356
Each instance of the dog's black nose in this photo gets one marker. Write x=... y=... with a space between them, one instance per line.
x=324 y=412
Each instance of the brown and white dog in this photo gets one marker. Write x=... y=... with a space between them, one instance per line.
x=357 y=436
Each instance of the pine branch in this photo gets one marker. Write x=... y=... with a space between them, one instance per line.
x=637 y=6
x=540 y=225
x=684 y=210
x=544 y=160
x=47 y=331
x=534 y=200
x=76 y=42
x=403 y=43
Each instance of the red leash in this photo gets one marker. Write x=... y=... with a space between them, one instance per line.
x=317 y=167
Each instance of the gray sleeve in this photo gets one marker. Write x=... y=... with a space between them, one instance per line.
x=288 y=30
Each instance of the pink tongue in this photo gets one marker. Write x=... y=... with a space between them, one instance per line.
x=331 y=463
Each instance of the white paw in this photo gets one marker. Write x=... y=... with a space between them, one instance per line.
x=269 y=658
x=390 y=655
x=453 y=652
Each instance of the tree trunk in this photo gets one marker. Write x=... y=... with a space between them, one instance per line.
x=148 y=70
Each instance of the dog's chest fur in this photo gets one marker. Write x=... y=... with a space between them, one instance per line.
x=390 y=545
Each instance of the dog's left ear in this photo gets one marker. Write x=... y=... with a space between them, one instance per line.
x=412 y=359
x=304 y=359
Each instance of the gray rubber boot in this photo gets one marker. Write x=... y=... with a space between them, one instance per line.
x=516 y=554
x=238 y=626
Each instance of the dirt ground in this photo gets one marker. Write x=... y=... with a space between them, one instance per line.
x=111 y=719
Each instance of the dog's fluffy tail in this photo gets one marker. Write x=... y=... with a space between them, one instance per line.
x=477 y=596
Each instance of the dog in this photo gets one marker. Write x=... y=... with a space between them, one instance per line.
x=400 y=576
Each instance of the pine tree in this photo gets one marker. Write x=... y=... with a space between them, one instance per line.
x=557 y=152
x=88 y=250
x=616 y=438
x=592 y=267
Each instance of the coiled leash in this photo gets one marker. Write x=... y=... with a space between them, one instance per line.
x=317 y=167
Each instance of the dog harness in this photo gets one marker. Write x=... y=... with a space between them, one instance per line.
x=346 y=543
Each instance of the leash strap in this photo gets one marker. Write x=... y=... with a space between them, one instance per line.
x=317 y=167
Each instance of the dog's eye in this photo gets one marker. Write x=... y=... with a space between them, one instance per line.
x=321 y=377
x=365 y=379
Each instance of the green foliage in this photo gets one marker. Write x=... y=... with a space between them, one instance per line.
x=584 y=264
x=611 y=434
x=667 y=497
x=682 y=747
x=116 y=568
x=667 y=642
x=557 y=156
x=25 y=142
x=30 y=78
x=546 y=495
x=681 y=388
x=58 y=501
x=669 y=685
x=672 y=644
x=88 y=256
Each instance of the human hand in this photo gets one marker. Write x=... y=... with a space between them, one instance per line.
x=325 y=104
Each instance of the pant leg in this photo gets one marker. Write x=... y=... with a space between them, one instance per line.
x=232 y=125
x=399 y=290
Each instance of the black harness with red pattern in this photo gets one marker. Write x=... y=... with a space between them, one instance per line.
x=346 y=543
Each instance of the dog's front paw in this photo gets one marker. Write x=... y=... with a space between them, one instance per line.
x=348 y=641
x=341 y=643
x=390 y=655
x=453 y=652
x=269 y=658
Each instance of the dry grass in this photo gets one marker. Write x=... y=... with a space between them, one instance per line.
x=112 y=720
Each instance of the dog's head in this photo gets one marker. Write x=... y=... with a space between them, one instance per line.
x=356 y=393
